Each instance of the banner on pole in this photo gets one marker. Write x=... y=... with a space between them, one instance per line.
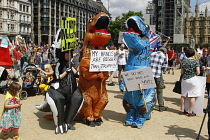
x=142 y=76
x=68 y=27
x=103 y=60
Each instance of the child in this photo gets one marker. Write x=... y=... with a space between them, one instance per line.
x=28 y=78
x=11 y=115
x=47 y=76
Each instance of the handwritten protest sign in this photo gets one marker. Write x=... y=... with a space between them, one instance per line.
x=68 y=27
x=140 y=76
x=103 y=60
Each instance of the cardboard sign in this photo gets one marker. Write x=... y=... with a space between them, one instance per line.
x=103 y=60
x=68 y=27
x=120 y=38
x=142 y=76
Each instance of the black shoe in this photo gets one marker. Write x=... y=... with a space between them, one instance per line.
x=111 y=84
x=183 y=113
x=162 y=108
x=71 y=127
x=98 y=122
x=15 y=80
x=205 y=110
x=89 y=123
x=191 y=114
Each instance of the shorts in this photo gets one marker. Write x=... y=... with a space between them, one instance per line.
x=170 y=62
x=121 y=67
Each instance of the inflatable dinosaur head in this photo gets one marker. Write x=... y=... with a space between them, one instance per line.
x=137 y=26
x=97 y=34
x=137 y=37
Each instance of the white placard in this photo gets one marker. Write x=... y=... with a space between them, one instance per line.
x=199 y=103
x=120 y=38
x=142 y=76
x=103 y=60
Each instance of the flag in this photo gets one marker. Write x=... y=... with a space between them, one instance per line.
x=5 y=59
x=153 y=39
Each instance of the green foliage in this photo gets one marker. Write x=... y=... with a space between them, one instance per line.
x=178 y=46
x=204 y=45
x=118 y=25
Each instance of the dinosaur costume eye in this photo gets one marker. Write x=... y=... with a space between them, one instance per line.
x=90 y=20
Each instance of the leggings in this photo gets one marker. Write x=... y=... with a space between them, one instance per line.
x=208 y=123
x=208 y=87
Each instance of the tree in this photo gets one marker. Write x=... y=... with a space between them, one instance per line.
x=118 y=25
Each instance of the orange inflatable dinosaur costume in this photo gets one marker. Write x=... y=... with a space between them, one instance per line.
x=92 y=84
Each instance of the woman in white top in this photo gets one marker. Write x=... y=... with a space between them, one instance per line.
x=121 y=60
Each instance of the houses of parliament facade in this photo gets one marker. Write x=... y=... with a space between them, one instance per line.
x=197 y=26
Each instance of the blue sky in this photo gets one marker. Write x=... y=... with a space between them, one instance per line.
x=193 y=2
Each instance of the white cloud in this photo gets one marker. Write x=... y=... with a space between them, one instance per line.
x=117 y=7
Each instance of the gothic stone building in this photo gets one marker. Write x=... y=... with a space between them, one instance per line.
x=198 y=26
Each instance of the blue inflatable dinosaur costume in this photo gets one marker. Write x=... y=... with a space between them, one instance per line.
x=137 y=40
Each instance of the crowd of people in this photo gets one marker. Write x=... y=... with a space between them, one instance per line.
x=163 y=61
x=33 y=55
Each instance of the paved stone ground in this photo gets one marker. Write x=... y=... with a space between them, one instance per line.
x=167 y=125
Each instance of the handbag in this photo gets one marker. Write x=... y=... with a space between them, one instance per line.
x=177 y=87
x=208 y=78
